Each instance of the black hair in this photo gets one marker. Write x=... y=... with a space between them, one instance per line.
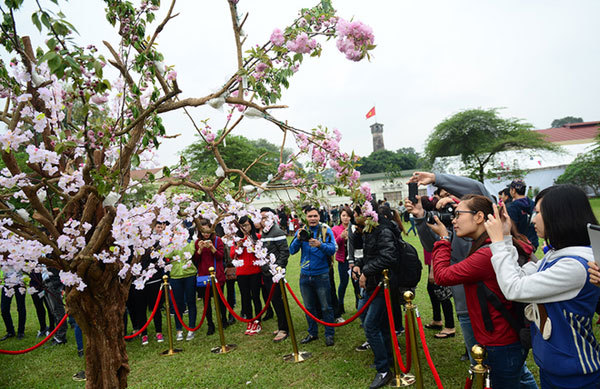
x=566 y=211
x=267 y=209
x=505 y=192
x=519 y=186
x=308 y=208
x=479 y=203
x=383 y=211
x=241 y=233
x=348 y=212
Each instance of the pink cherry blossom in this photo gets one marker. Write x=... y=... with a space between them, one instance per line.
x=277 y=37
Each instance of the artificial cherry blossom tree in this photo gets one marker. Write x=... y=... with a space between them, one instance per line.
x=70 y=138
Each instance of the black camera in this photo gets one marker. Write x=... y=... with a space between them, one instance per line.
x=446 y=215
x=303 y=235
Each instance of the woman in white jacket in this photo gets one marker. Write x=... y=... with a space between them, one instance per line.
x=562 y=297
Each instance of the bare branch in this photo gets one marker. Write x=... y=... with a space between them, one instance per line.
x=161 y=26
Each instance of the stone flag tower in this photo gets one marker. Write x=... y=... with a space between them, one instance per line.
x=377 y=132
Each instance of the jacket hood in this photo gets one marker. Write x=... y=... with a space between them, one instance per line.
x=525 y=204
x=584 y=252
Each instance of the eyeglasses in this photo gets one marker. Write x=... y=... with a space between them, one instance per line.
x=459 y=212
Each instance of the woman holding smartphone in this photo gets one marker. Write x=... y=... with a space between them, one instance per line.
x=562 y=297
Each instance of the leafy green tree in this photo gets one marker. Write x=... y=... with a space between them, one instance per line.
x=566 y=120
x=386 y=161
x=238 y=153
x=584 y=171
x=477 y=135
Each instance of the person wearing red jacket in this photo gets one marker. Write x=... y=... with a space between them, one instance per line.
x=209 y=253
x=248 y=273
x=506 y=356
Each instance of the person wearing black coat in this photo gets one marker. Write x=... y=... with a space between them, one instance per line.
x=275 y=241
x=380 y=252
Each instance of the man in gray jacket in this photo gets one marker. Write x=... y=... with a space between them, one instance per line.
x=275 y=241
x=458 y=187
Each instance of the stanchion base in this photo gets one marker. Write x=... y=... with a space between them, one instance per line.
x=171 y=352
x=402 y=381
x=223 y=349
x=302 y=355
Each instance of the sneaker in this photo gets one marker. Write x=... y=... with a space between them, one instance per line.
x=57 y=342
x=79 y=376
x=255 y=327
x=381 y=379
x=80 y=353
x=144 y=340
x=159 y=338
x=190 y=335
x=179 y=335
x=339 y=320
x=248 y=329
x=42 y=333
x=363 y=347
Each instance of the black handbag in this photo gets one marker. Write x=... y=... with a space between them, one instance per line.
x=442 y=293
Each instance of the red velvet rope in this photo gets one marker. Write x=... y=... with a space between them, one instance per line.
x=11 y=352
x=436 y=376
x=468 y=383
x=206 y=301
x=388 y=304
x=357 y=314
x=160 y=291
x=238 y=317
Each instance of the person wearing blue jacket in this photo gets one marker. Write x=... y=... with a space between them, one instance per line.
x=314 y=272
x=521 y=211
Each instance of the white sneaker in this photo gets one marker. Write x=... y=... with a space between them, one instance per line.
x=190 y=335
x=179 y=335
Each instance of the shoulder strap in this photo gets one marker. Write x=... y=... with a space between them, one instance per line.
x=485 y=295
x=214 y=256
x=324 y=235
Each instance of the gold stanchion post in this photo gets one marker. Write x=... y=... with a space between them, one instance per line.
x=400 y=380
x=412 y=333
x=480 y=371
x=296 y=356
x=224 y=348
x=171 y=350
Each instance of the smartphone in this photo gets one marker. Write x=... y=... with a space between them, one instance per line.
x=412 y=192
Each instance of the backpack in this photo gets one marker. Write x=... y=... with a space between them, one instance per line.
x=323 y=239
x=516 y=319
x=407 y=272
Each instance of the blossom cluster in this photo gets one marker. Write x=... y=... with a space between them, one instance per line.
x=354 y=39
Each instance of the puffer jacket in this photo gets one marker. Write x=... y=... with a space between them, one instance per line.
x=275 y=241
x=380 y=252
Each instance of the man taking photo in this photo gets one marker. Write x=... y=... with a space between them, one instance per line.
x=318 y=245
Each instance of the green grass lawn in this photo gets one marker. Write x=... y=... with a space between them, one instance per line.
x=256 y=363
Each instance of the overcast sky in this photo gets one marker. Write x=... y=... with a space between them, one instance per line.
x=538 y=59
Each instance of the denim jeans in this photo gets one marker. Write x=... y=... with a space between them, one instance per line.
x=343 y=272
x=467 y=331
x=78 y=333
x=316 y=290
x=377 y=332
x=184 y=291
x=507 y=364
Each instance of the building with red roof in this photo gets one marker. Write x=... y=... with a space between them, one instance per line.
x=572 y=133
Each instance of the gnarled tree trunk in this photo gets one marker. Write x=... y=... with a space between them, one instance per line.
x=99 y=311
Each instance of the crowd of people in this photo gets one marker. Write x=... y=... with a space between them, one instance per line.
x=481 y=265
